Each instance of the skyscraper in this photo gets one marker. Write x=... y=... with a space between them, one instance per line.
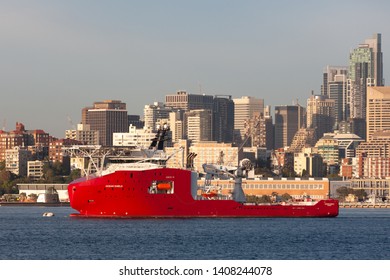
x=378 y=110
x=154 y=112
x=245 y=109
x=177 y=126
x=335 y=87
x=186 y=101
x=84 y=134
x=220 y=108
x=198 y=125
x=288 y=119
x=365 y=69
x=320 y=114
x=107 y=117
x=136 y=121
x=223 y=119
x=269 y=129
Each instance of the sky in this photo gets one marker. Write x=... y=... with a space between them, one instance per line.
x=57 y=57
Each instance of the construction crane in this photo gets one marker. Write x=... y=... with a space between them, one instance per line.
x=4 y=123
x=248 y=135
x=71 y=124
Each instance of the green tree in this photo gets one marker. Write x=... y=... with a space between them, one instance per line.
x=288 y=171
x=343 y=192
x=264 y=199
x=360 y=194
x=74 y=174
x=251 y=199
x=55 y=172
x=305 y=173
x=6 y=176
x=286 y=197
x=9 y=188
x=48 y=175
x=58 y=168
x=264 y=171
x=6 y=182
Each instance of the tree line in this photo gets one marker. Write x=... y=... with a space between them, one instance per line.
x=54 y=173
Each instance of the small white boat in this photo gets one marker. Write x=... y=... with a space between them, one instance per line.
x=48 y=214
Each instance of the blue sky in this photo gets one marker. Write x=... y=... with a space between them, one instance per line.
x=57 y=57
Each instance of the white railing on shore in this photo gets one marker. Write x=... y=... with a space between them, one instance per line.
x=364 y=204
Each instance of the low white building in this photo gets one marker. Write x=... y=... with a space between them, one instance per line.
x=41 y=189
x=135 y=137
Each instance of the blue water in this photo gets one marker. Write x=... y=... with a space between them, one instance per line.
x=354 y=234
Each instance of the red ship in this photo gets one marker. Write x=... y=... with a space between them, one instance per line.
x=148 y=189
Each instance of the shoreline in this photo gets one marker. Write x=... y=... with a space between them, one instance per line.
x=365 y=205
x=56 y=204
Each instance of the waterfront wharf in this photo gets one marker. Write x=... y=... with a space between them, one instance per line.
x=363 y=205
x=38 y=204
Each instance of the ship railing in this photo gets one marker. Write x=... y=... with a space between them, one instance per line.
x=130 y=166
x=218 y=197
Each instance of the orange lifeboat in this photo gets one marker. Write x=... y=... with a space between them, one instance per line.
x=164 y=186
x=209 y=194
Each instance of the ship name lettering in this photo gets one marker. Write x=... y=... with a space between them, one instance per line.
x=114 y=186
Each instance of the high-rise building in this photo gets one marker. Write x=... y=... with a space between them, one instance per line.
x=220 y=106
x=347 y=143
x=16 y=160
x=186 y=101
x=135 y=121
x=365 y=69
x=320 y=114
x=378 y=110
x=308 y=163
x=56 y=150
x=138 y=137
x=214 y=153
x=106 y=117
x=84 y=134
x=327 y=146
x=375 y=43
x=154 y=112
x=223 y=119
x=245 y=109
x=374 y=154
x=335 y=87
x=37 y=141
x=176 y=124
x=35 y=170
x=288 y=119
x=269 y=129
x=303 y=138
x=15 y=138
x=198 y=125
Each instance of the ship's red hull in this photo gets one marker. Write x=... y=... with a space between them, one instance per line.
x=127 y=194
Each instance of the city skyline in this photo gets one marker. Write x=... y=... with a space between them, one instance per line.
x=59 y=57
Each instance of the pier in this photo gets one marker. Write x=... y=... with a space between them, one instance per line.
x=364 y=205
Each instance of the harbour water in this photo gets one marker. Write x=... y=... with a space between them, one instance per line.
x=355 y=234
